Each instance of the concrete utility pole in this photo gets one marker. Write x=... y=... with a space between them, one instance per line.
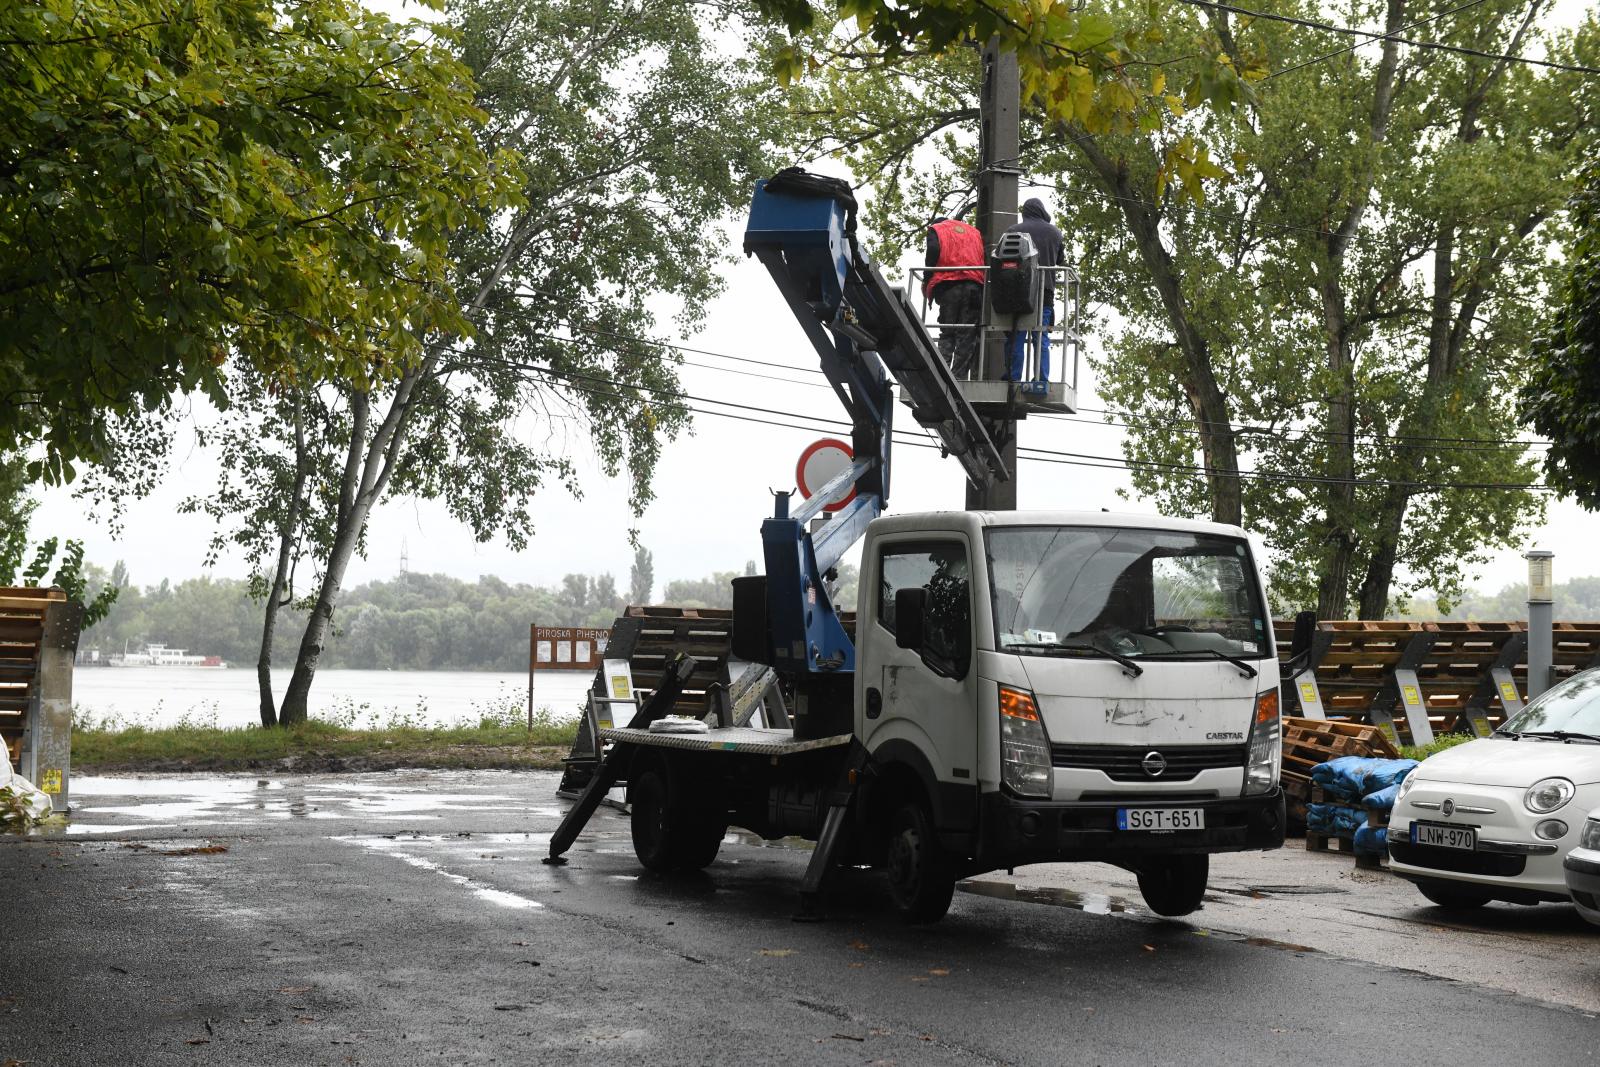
x=999 y=137
x=1541 y=642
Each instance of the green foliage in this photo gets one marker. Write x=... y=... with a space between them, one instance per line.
x=1344 y=316
x=1561 y=399
x=1438 y=744
x=70 y=573
x=1105 y=70
x=185 y=180
x=1577 y=600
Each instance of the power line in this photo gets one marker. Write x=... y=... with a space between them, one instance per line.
x=1033 y=454
x=1130 y=420
x=1350 y=31
x=1352 y=47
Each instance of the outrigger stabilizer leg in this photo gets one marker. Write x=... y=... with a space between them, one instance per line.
x=825 y=857
x=606 y=774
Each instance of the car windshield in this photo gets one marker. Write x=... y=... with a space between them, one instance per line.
x=1572 y=706
x=1117 y=592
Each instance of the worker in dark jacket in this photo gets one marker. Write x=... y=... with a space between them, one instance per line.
x=955 y=251
x=1047 y=240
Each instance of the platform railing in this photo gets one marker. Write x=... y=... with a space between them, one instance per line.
x=1064 y=333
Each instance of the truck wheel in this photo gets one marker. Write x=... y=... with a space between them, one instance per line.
x=1450 y=895
x=1174 y=885
x=654 y=835
x=920 y=879
x=702 y=841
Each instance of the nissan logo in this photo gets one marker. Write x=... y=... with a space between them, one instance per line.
x=1154 y=764
x=1446 y=809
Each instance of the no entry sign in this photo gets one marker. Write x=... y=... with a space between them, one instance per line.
x=819 y=463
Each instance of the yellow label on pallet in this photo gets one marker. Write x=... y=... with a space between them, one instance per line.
x=1508 y=693
x=1308 y=693
x=50 y=781
x=1409 y=694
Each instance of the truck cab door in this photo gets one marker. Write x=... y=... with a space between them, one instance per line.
x=922 y=697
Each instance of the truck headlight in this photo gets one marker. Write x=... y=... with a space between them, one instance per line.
x=1266 y=746
x=1024 y=748
x=1590 y=838
x=1548 y=795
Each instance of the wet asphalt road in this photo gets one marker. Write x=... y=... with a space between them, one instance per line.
x=405 y=918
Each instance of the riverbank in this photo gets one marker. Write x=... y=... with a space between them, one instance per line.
x=320 y=746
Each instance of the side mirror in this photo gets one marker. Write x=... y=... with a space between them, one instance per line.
x=1305 y=629
x=910 y=612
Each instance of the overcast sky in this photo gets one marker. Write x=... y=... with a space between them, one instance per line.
x=712 y=486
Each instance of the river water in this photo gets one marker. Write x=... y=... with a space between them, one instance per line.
x=164 y=696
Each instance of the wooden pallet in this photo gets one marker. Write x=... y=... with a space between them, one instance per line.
x=22 y=614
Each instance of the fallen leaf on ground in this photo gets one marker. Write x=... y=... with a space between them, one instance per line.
x=197 y=850
x=1149 y=948
x=940 y=971
x=848 y=1037
x=859 y=945
x=305 y=1018
x=855 y=966
x=510 y=1007
x=520 y=944
x=198 y=1041
x=295 y=989
x=775 y=952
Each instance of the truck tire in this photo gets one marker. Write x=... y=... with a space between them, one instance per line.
x=921 y=881
x=669 y=833
x=1174 y=885
x=1454 y=896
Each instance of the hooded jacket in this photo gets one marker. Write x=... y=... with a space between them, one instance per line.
x=1035 y=222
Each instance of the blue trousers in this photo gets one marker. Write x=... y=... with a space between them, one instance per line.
x=1021 y=339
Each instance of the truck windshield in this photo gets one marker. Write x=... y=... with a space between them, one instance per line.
x=1125 y=593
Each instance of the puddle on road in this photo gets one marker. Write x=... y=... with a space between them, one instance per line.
x=209 y=801
x=1092 y=903
x=385 y=846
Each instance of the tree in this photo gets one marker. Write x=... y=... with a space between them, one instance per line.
x=184 y=181
x=642 y=579
x=614 y=205
x=1561 y=399
x=1315 y=349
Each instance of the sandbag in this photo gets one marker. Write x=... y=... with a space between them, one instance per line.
x=1387 y=774
x=1372 y=840
x=1353 y=777
x=1382 y=800
x=1334 y=819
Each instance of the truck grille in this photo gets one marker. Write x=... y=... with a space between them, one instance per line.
x=1126 y=763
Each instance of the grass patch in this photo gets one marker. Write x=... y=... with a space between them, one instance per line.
x=1438 y=744
x=344 y=744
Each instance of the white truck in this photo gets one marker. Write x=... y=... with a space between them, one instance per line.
x=1019 y=688
x=1030 y=688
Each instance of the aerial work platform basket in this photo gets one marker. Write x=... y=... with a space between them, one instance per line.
x=1043 y=346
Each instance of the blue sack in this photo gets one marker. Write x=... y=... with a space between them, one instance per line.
x=1388 y=773
x=1343 y=778
x=1334 y=819
x=1372 y=840
x=1382 y=800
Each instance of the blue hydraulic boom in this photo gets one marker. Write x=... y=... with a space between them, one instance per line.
x=802 y=228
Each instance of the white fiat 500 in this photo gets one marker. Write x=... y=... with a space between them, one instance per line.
x=1494 y=818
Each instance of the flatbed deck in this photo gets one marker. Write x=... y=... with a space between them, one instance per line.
x=749 y=739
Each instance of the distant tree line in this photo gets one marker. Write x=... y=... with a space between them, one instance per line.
x=1575 y=601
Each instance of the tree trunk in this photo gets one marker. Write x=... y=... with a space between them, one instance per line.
x=1219 y=445
x=296 y=697
x=1374 y=592
x=279 y=594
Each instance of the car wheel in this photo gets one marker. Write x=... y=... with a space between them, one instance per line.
x=1174 y=885
x=1454 y=895
x=920 y=879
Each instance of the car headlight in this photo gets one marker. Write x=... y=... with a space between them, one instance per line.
x=1590 y=838
x=1548 y=795
x=1405 y=785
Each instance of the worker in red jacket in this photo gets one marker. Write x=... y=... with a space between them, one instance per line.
x=955 y=251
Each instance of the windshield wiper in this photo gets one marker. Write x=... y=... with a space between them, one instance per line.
x=1129 y=667
x=1244 y=665
x=1503 y=732
x=1564 y=736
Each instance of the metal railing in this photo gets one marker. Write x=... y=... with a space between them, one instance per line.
x=1062 y=339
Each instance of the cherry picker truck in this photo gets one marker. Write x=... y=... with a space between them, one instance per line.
x=1020 y=687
